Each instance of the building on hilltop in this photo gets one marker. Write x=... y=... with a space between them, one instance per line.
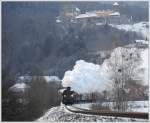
x=73 y=14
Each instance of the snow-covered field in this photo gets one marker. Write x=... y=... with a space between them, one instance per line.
x=61 y=114
x=138 y=106
x=134 y=106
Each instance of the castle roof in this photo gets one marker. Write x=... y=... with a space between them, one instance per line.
x=115 y=4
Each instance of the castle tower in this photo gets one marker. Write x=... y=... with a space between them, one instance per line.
x=116 y=6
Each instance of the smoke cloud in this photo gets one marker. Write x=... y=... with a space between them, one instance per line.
x=86 y=77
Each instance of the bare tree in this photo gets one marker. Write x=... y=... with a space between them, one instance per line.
x=123 y=65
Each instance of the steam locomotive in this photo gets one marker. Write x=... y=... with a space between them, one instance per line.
x=68 y=96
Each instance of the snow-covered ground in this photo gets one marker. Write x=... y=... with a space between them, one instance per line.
x=19 y=87
x=61 y=114
x=134 y=106
x=140 y=28
x=84 y=105
x=138 y=106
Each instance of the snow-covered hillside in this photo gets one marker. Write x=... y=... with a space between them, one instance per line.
x=61 y=114
x=140 y=28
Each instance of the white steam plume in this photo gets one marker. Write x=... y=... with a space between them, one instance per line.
x=86 y=77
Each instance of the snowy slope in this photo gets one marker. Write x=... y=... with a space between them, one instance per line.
x=61 y=114
x=140 y=28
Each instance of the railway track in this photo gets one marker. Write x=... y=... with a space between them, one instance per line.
x=139 y=115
